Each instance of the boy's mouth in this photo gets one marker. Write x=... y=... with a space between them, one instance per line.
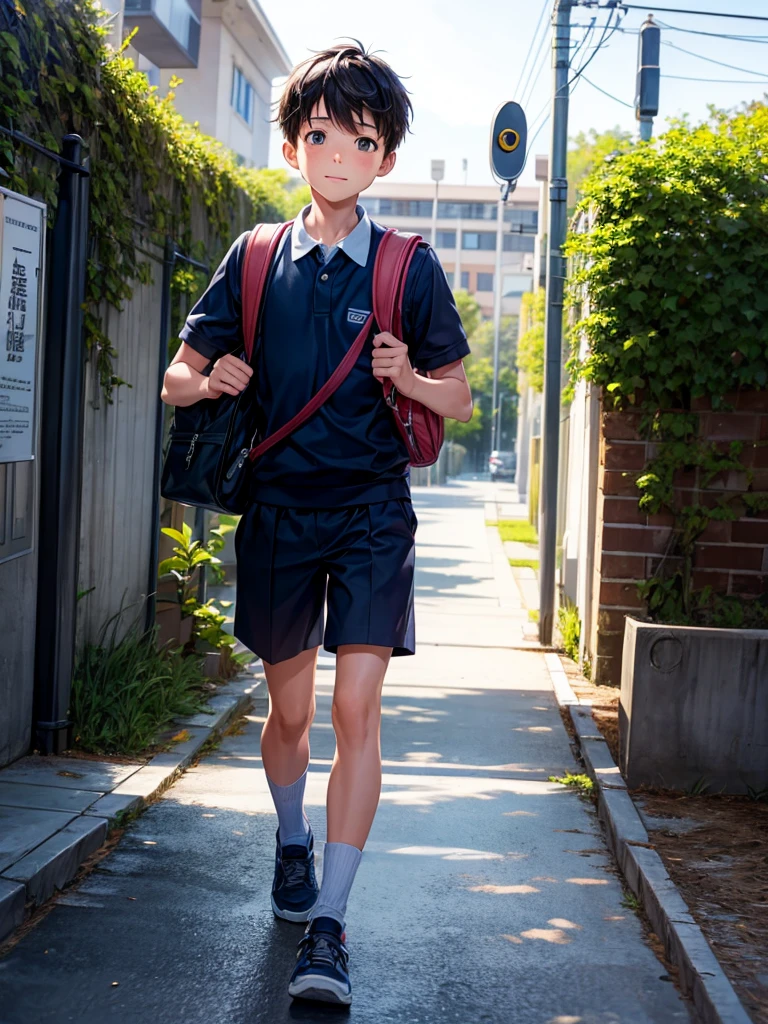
x=335 y=177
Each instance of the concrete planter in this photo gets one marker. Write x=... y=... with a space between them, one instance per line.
x=694 y=707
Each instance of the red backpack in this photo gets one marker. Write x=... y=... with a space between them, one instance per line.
x=422 y=429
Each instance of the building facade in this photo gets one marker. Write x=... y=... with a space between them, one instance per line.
x=227 y=54
x=466 y=233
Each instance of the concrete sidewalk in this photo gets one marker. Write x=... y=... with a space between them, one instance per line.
x=485 y=893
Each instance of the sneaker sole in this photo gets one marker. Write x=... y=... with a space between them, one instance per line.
x=319 y=988
x=292 y=915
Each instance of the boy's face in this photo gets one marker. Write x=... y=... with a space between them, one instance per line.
x=336 y=163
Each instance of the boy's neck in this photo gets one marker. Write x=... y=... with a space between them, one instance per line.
x=329 y=222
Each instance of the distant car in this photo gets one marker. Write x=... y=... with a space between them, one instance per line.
x=502 y=465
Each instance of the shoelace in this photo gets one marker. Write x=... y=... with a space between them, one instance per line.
x=296 y=870
x=324 y=951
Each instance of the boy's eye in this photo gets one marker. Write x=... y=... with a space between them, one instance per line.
x=367 y=145
x=316 y=137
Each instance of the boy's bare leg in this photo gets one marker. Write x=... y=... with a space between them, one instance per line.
x=285 y=736
x=354 y=786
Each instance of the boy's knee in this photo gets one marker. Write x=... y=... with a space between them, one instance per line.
x=354 y=719
x=292 y=721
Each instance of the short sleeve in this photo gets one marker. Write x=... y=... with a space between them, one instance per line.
x=213 y=325
x=432 y=327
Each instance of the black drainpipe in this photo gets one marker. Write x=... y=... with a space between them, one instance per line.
x=61 y=451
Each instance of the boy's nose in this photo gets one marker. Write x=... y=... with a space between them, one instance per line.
x=337 y=158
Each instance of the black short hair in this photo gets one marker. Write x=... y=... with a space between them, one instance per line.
x=348 y=79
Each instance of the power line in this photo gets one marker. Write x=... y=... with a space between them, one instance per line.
x=711 y=60
x=606 y=93
x=544 y=7
x=603 y=40
x=723 y=81
x=712 y=35
x=533 y=75
x=680 y=10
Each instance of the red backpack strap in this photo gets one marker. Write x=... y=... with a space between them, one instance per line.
x=393 y=258
x=262 y=245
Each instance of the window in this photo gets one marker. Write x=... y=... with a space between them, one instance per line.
x=446 y=240
x=465 y=280
x=485 y=240
x=242 y=95
x=516 y=284
x=449 y=278
x=485 y=282
x=522 y=221
x=519 y=243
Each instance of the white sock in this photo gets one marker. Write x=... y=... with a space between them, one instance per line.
x=340 y=864
x=289 y=804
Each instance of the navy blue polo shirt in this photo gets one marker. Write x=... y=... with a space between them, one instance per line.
x=349 y=452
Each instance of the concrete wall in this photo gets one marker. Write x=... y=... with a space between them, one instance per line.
x=694 y=707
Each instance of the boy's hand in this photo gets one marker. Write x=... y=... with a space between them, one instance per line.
x=390 y=359
x=229 y=376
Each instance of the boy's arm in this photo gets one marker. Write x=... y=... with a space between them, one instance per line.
x=185 y=383
x=446 y=392
x=211 y=333
x=433 y=340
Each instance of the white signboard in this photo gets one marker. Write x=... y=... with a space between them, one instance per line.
x=22 y=228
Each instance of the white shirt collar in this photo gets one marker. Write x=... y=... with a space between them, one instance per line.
x=356 y=244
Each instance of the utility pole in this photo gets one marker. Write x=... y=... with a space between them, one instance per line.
x=648 y=72
x=457 y=260
x=438 y=171
x=550 y=419
x=497 y=319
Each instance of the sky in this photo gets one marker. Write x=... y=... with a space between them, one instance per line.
x=460 y=60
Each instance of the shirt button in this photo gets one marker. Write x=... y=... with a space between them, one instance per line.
x=323 y=277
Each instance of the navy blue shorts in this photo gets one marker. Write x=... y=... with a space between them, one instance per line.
x=361 y=555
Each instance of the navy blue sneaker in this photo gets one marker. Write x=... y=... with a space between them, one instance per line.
x=321 y=969
x=295 y=889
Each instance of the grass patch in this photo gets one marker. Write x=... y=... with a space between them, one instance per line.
x=570 y=629
x=583 y=783
x=630 y=901
x=524 y=563
x=124 y=691
x=519 y=530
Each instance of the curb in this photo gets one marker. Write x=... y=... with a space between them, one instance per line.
x=50 y=866
x=701 y=976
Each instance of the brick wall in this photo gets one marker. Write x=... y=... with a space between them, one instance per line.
x=731 y=557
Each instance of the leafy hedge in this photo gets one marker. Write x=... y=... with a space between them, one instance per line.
x=147 y=164
x=676 y=266
x=675 y=269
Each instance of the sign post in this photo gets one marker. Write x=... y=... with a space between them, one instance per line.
x=509 y=136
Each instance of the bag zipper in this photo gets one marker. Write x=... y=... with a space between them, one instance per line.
x=191 y=449
x=238 y=463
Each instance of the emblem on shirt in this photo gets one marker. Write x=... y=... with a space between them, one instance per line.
x=357 y=316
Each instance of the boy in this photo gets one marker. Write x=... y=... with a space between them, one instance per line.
x=331 y=503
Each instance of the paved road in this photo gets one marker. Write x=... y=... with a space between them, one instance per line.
x=485 y=893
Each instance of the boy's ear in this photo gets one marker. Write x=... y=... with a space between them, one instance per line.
x=289 y=152
x=386 y=164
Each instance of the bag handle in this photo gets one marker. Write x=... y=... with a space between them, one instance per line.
x=393 y=259
x=262 y=246
x=337 y=377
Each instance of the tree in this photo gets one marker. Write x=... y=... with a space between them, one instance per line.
x=469 y=311
x=530 y=348
x=587 y=150
x=482 y=341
